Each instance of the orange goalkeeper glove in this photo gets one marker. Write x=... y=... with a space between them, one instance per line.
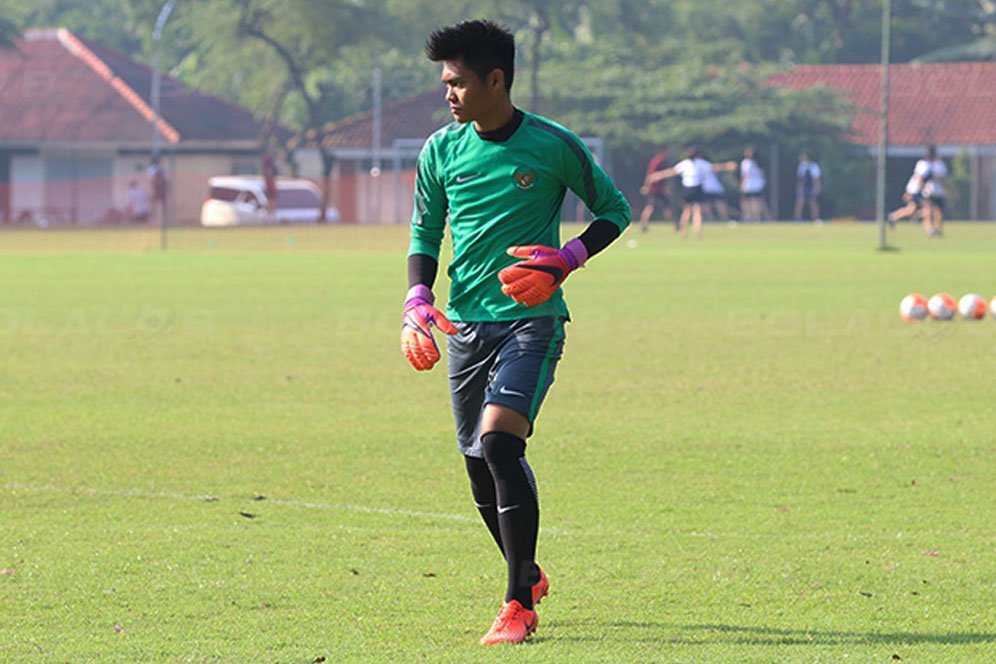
x=534 y=281
x=417 y=342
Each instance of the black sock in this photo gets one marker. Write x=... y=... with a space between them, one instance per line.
x=518 y=511
x=482 y=486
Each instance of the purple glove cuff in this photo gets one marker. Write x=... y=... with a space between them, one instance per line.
x=419 y=294
x=575 y=253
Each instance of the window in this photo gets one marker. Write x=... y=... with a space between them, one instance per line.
x=296 y=199
x=224 y=194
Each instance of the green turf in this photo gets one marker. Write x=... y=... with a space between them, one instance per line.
x=218 y=454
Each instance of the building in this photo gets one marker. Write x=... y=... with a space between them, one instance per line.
x=373 y=177
x=76 y=128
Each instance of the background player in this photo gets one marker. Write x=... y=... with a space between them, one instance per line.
x=752 y=184
x=656 y=193
x=912 y=200
x=692 y=170
x=934 y=175
x=808 y=185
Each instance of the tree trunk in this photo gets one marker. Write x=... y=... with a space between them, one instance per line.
x=541 y=24
x=328 y=161
x=534 y=65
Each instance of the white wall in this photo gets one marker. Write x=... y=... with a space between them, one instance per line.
x=187 y=176
x=27 y=185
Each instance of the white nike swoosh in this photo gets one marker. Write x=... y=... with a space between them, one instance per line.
x=511 y=393
x=502 y=510
x=464 y=178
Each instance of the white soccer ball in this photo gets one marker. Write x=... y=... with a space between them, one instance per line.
x=972 y=307
x=913 y=308
x=992 y=307
x=942 y=306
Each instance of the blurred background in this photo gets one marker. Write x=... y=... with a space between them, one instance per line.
x=313 y=111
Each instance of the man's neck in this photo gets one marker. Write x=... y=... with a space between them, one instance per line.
x=497 y=119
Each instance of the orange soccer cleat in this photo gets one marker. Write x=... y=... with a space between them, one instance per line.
x=542 y=587
x=512 y=625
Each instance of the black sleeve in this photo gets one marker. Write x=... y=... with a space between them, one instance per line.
x=422 y=270
x=599 y=234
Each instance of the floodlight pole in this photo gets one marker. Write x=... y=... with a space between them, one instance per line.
x=157 y=34
x=883 y=125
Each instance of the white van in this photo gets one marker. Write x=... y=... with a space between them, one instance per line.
x=240 y=200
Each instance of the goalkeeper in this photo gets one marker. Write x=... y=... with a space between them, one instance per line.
x=498 y=176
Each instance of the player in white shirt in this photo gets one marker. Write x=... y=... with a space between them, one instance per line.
x=138 y=203
x=752 y=184
x=934 y=175
x=692 y=169
x=912 y=199
x=715 y=192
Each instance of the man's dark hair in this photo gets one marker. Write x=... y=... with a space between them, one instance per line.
x=482 y=46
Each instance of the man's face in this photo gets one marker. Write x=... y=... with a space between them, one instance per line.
x=470 y=98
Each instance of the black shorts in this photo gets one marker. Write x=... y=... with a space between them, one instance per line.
x=938 y=201
x=711 y=197
x=657 y=199
x=753 y=194
x=692 y=194
x=510 y=363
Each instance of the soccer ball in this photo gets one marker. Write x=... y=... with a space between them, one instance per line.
x=942 y=306
x=992 y=307
x=913 y=308
x=972 y=307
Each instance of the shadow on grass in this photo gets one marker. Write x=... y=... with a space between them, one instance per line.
x=701 y=634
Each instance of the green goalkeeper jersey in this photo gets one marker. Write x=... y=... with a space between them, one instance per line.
x=499 y=194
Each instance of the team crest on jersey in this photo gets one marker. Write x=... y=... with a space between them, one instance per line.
x=525 y=178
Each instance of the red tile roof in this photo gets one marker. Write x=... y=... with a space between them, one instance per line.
x=950 y=103
x=417 y=116
x=57 y=87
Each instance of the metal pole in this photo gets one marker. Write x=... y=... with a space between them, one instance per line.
x=376 y=145
x=774 y=192
x=973 y=183
x=398 y=215
x=157 y=34
x=883 y=125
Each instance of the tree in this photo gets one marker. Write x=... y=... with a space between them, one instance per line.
x=305 y=36
x=9 y=31
x=536 y=20
x=681 y=94
x=121 y=24
x=979 y=15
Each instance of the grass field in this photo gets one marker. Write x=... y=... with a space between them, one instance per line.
x=217 y=454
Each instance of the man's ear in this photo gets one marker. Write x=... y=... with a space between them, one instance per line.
x=496 y=79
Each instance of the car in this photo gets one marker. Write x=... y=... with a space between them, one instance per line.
x=240 y=200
